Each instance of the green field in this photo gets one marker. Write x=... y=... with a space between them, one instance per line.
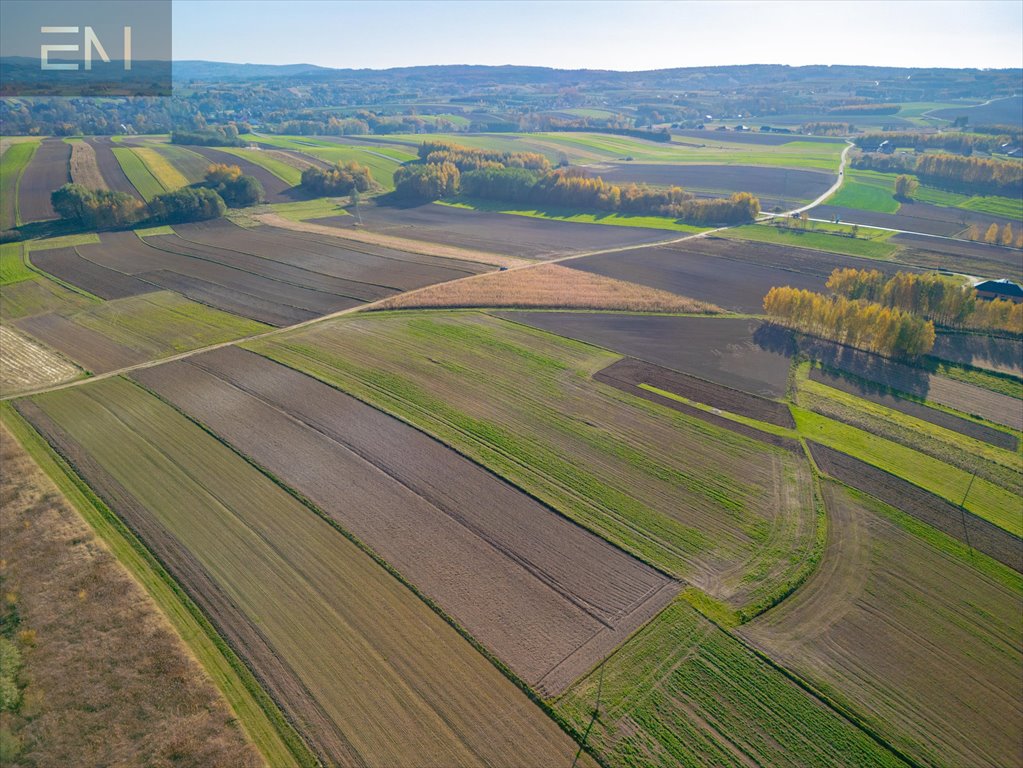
x=717 y=508
x=36 y=297
x=13 y=268
x=340 y=623
x=866 y=191
x=320 y=208
x=138 y=173
x=162 y=169
x=278 y=168
x=557 y=214
x=869 y=243
x=682 y=692
x=12 y=163
x=189 y=164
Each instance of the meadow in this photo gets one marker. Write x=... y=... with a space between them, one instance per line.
x=138 y=173
x=868 y=243
x=13 y=161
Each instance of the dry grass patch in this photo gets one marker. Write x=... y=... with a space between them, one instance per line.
x=104 y=679
x=84 y=168
x=26 y=365
x=390 y=241
x=547 y=286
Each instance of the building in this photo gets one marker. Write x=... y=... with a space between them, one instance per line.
x=1000 y=289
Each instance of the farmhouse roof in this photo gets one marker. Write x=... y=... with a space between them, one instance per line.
x=1003 y=287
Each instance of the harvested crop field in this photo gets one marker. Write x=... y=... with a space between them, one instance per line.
x=913 y=217
x=49 y=169
x=113 y=173
x=496 y=232
x=277 y=190
x=743 y=354
x=960 y=256
x=882 y=396
x=980 y=534
x=963 y=397
x=980 y=351
x=784 y=183
x=683 y=692
x=547 y=597
x=84 y=168
x=67 y=265
x=317 y=620
x=547 y=286
x=692 y=388
x=25 y=365
x=120 y=333
x=900 y=625
x=521 y=402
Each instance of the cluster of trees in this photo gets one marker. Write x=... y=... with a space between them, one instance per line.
x=958 y=173
x=107 y=209
x=951 y=141
x=342 y=179
x=236 y=188
x=873 y=327
x=943 y=300
x=527 y=177
x=905 y=187
x=866 y=109
x=214 y=136
x=827 y=129
x=996 y=235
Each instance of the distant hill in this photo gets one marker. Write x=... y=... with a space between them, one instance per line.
x=219 y=70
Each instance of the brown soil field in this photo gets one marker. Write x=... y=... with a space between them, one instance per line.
x=702 y=391
x=107 y=680
x=547 y=597
x=961 y=256
x=84 y=168
x=739 y=353
x=967 y=398
x=780 y=183
x=277 y=190
x=627 y=382
x=68 y=265
x=547 y=286
x=317 y=620
x=976 y=532
x=49 y=169
x=111 y=169
x=922 y=645
x=1007 y=111
x=354 y=237
x=750 y=137
x=523 y=236
x=981 y=351
x=90 y=349
x=26 y=365
x=914 y=217
x=944 y=419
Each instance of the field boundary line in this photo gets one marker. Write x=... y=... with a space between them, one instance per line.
x=188 y=621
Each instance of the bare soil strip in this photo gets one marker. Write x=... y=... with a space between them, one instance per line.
x=547 y=286
x=90 y=349
x=549 y=598
x=49 y=169
x=627 y=375
x=786 y=183
x=981 y=351
x=84 y=168
x=103 y=653
x=978 y=533
x=67 y=265
x=880 y=396
x=111 y=169
x=961 y=255
x=967 y=398
x=920 y=643
x=26 y=365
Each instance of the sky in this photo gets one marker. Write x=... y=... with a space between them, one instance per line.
x=578 y=34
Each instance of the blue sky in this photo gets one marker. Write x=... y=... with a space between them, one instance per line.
x=632 y=35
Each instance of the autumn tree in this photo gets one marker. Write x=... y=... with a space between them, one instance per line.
x=992 y=234
x=1007 y=234
x=905 y=187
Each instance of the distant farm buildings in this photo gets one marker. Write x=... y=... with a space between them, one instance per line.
x=1000 y=289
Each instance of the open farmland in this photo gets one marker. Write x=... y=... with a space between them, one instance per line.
x=963 y=256
x=26 y=365
x=914 y=217
x=137 y=175
x=84 y=167
x=547 y=597
x=188 y=164
x=13 y=161
x=901 y=625
x=522 y=403
x=523 y=236
x=683 y=692
x=123 y=332
x=49 y=168
x=277 y=190
x=736 y=352
x=318 y=621
x=37 y=296
x=68 y=266
x=995 y=354
x=547 y=286
x=113 y=173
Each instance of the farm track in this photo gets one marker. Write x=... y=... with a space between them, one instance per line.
x=49 y=169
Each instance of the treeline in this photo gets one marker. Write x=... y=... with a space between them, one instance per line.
x=107 y=209
x=957 y=173
x=940 y=299
x=873 y=327
x=827 y=129
x=865 y=109
x=342 y=179
x=215 y=136
x=951 y=141
x=995 y=235
x=527 y=178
